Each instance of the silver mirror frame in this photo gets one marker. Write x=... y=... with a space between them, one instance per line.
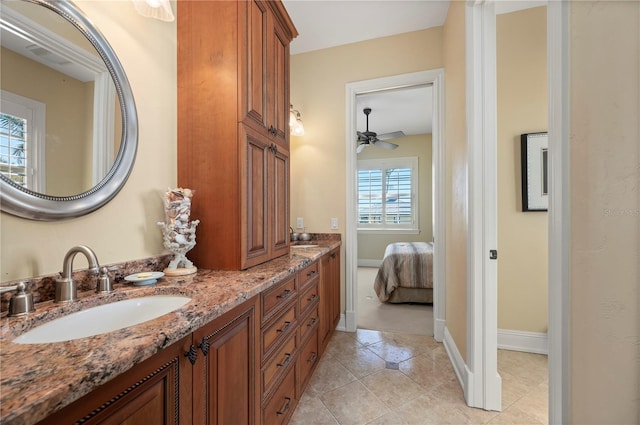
x=25 y=203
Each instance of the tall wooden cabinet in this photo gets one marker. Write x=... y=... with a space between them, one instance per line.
x=233 y=132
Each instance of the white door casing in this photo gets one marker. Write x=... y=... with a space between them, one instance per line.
x=436 y=79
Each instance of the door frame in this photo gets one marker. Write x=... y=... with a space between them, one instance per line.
x=436 y=79
x=484 y=385
x=482 y=19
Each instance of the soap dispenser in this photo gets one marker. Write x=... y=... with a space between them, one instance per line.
x=21 y=303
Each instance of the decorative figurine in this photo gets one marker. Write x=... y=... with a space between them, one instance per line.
x=179 y=234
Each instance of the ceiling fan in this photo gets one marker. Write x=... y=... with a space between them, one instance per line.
x=371 y=138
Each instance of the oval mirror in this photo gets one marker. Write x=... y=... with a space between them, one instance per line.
x=68 y=123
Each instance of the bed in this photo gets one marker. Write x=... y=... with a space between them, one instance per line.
x=406 y=273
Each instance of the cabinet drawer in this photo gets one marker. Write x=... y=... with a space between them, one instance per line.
x=309 y=324
x=274 y=298
x=307 y=360
x=307 y=274
x=278 y=331
x=279 y=409
x=274 y=369
x=308 y=298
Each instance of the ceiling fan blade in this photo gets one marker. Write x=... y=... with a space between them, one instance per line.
x=385 y=145
x=361 y=147
x=392 y=135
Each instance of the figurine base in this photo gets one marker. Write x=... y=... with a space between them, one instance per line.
x=180 y=271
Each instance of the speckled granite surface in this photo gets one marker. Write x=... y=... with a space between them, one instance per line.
x=37 y=379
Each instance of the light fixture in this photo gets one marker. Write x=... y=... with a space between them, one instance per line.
x=295 y=122
x=157 y=9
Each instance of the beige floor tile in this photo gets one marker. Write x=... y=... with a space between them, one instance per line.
x=393 y=349
x=393 y=387
x=514 y=416
x=329 y=374
x=311 y=411
x=353 y=404
x=351 y=385
x=361 y=363
x=366 y=336
x=425 y=371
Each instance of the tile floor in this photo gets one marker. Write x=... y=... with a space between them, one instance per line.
x=373 y=377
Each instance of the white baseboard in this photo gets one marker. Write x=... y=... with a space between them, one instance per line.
x=438 y=331
x=459 y=367
x=342 y=323
x=529 y=342
x=363 y=262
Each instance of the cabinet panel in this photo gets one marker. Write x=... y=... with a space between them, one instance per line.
x=329 y=295
x=279 y=184
x=254 y=71
x=276 y=332
x=254 y=198
x=226 y=369
x=279 y=409
x=157 y=391
x=307 y=361
x=275 y=298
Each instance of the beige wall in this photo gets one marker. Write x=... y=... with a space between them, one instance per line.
x=124 y=229
x=605 y=212
x=456 y=175
x=68 y=120
x=371 y=246
x=318 y=81
x=521 y=52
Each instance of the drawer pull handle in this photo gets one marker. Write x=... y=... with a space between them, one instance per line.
x=313 y=357
x=311 y=273
x=286 y=361
x=312 y=322
x=285 y=327
x=285 y=294
x=313 y=298
x=285 y=407
x=192 y=354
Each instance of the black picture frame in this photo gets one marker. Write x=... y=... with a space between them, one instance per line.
x=534 y=161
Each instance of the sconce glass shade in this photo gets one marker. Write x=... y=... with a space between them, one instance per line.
x=157 y=9
x=295 y=122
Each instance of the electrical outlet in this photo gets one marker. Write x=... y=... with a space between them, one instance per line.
x=299 y=223
x=334 y=223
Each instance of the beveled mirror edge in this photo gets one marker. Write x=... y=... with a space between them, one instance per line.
x=24 y=203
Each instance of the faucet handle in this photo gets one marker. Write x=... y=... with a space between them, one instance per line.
x=21 y=302
x=103 y=284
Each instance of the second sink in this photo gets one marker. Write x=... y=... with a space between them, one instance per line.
x=102 y=319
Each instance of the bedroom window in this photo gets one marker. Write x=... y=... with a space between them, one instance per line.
x=387 y=200
x=21 y=145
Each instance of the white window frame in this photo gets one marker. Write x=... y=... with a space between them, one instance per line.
x=384 y=164
x=34 y=113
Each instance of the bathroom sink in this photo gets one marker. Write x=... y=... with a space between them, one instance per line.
x=103 y=318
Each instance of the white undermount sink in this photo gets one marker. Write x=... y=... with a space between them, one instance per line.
x=309 y=245
x=103 y=318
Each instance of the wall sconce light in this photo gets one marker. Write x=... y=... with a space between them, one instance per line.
x=295 y=122
x=157 y=9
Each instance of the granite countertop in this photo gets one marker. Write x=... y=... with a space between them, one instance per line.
x=38 y=379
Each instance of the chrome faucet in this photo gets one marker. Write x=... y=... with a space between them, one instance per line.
x=66 y=288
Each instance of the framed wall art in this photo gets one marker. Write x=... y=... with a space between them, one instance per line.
x=535 y=175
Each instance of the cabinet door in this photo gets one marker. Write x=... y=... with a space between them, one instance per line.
x=155 y=392
x=225 y=372
x=329 y=295
x=253 y=17
x=254 y=194
x=278 y=84
x=279 y=210
x=334 y=278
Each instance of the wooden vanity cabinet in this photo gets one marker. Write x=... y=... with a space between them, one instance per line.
x=329 y=296
x=233 y=132
x=225 y=374
x=157 y=391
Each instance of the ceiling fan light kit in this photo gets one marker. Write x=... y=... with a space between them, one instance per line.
x=367 y=137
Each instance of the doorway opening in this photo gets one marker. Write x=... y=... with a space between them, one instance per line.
x=435 y=80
